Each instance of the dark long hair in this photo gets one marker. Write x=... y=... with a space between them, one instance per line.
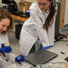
x=50 y=16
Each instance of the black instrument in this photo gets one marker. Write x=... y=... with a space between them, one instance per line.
x=12 y=7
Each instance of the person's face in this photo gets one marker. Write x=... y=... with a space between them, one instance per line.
x=43 y=4
x=4 y=23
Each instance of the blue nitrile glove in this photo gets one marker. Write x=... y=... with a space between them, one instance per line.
x=45 y=47
x=20 y=58
x=1 y=50
x=6 y=49
x=27 y=12
x=52 y=45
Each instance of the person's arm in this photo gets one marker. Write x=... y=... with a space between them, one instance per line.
x=42 y=33
x=13 y=58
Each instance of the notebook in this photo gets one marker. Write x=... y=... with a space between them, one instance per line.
x=40 y=57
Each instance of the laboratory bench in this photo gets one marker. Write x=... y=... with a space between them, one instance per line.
x=61 y=48
x=18 y=15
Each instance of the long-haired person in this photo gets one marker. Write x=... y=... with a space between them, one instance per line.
x=40 y=27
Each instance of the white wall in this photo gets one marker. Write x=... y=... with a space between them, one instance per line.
x=66 y=13
x=0 y=2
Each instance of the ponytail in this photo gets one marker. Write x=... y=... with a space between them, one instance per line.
x=50 y=16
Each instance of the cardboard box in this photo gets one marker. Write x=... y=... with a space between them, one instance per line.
x=23 y=4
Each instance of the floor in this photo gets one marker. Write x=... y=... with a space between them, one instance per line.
x=14 y=42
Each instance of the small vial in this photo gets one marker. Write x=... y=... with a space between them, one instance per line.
x=24 y=8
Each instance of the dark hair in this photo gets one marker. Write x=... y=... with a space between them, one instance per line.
x=51 y=15
x=5 y=14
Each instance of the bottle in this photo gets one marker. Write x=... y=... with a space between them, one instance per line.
x=24 y=8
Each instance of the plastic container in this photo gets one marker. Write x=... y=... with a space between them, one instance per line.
x=52 y=65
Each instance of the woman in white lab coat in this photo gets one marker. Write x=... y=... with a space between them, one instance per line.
x=40 y=25
x=6 y=26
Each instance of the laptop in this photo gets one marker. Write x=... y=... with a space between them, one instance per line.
x=40 y=57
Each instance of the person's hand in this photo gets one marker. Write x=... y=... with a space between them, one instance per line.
x=20 y=58
x=52 y=45
x=0 y=54
x=45 y=47
x=1 y=50
x=5 y=49
x=27 y=12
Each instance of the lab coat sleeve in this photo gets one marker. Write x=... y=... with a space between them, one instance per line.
x=0 y=58
x=10 y=57
x=51 y=29
x=51 y=33
x=3 y=63
x=38 y=25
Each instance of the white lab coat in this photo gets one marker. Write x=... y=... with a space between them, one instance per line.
x=32 y=30
x=8 y=56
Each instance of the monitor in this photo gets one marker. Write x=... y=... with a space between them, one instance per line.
x=12 y=6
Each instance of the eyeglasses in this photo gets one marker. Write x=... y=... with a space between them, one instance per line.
x=43 y=4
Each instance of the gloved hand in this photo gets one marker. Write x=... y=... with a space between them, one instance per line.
x=20 y=58
x=45 y=47
x=27 y=12
x=1 y=50
x=52 y=45
x=5 y=49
